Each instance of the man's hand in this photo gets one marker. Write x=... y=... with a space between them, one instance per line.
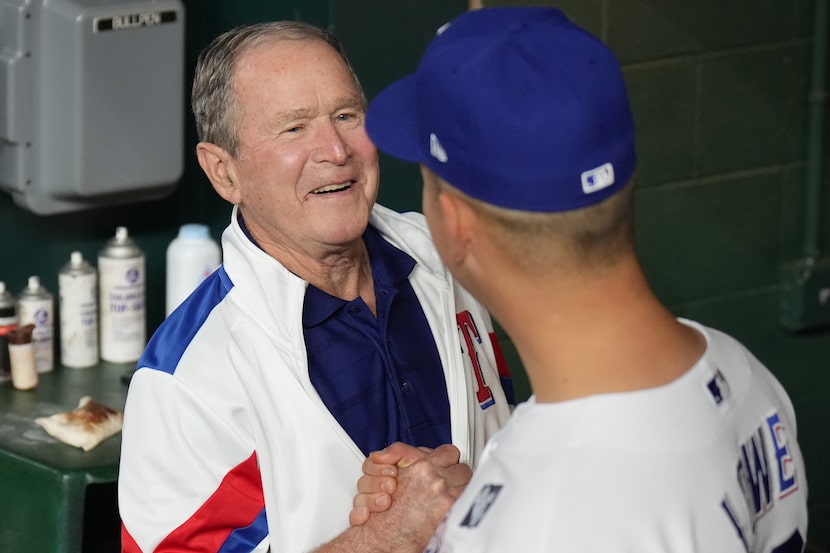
x=424 y=485
x=379 y=480
x=426 y=489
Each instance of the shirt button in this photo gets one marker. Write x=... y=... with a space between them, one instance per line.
x=354 y=310
x=405 y=387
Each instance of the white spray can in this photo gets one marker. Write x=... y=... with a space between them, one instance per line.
x=123 y=321
x=35 y=305
x=191 y=256
x=78 y=309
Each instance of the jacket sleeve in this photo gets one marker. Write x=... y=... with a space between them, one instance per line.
x=188 y=479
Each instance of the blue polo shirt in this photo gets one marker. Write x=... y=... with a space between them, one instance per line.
x=381 y=377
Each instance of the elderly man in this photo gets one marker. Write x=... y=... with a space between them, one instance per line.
x=331 y=330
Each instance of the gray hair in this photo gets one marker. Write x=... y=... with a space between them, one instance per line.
x=212 y=98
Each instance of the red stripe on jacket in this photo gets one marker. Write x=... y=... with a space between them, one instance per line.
x=235 y=504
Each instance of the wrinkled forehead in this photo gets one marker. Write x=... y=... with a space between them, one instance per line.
x=287 y=81
x=287 y=54
x=277 y=61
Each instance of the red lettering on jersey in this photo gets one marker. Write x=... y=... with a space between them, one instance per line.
x=501 y=362
x=469 y=332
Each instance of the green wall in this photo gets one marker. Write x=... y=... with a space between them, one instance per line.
x=719 y=92
x=720 y=98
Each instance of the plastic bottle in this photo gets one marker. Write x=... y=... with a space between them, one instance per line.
x=191 y=256
x=8 y=322
x=121 y=277
x=35 y=305
x=78 y=299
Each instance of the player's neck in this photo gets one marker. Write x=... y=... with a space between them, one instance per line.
x=592 y=336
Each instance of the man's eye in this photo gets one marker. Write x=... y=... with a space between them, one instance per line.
x=345 y=116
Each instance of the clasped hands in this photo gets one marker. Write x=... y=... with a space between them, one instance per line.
x=414 y=487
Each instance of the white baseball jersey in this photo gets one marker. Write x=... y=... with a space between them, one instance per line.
x=227 y=445
x=708 y=463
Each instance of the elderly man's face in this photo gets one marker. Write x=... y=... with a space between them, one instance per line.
x=307 y=172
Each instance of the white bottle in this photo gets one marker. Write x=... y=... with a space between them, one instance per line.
x=78 y=294
x=191 y=256
x=35 y=305
x=121 y=281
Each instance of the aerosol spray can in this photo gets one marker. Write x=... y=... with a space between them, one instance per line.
x=121 y=299
x=8 y=322
x=35 y=305
x=78 y=294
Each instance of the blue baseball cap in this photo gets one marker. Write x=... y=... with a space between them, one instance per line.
x=516 y=107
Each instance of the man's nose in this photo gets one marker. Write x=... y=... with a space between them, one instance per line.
x=330 y=145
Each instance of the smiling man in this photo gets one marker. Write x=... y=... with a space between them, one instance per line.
x=331 y=330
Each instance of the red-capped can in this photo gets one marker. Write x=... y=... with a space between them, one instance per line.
x=8 y=322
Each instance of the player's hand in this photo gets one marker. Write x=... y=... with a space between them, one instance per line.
x=426 y=489
x=379 y=480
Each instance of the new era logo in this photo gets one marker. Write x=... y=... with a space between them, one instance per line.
x=436 y=150
x=595 y=180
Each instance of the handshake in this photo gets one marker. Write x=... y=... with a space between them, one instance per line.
x=405 y=493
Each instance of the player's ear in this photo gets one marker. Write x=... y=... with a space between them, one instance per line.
x=458 y=221
x=218 y=165
x=441 y=213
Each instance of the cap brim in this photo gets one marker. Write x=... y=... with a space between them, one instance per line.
x=392 y=122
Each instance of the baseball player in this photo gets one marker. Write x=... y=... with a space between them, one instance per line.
x=330 y=330
x=645 y=432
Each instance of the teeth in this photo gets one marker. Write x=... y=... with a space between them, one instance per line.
x=331 y=188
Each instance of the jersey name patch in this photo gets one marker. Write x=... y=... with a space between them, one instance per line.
x=481 y=504
x=766 y=473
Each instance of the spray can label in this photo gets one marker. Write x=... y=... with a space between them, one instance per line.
x=123 y=334
x=77 y=284
x=38 y=309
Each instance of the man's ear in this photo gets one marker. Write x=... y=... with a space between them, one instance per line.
x=458 y=222
x=217 y=165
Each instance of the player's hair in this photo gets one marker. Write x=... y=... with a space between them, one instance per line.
x=212 y=97
x=590 y=238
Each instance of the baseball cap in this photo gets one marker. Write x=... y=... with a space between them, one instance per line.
x=517 y=107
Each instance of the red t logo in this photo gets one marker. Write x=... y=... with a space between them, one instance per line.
x=469 y=333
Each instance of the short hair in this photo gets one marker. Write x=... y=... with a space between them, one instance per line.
x=588 y=238
x=213 y=99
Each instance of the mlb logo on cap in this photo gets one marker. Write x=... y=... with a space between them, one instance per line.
x=517 y=107
x=597 y=179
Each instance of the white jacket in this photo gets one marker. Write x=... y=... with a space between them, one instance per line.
x=222 y=397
